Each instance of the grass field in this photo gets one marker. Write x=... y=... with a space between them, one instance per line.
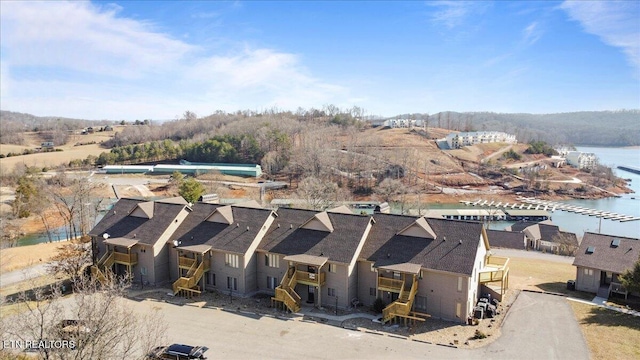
x=609 y=334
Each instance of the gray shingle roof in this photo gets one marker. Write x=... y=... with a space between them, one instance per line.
x=606 y=257
x=506 y=239
x=235 y=237
x=118 y=223
x=285 y=236
x=456 y=254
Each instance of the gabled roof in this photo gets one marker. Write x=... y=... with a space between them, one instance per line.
x=548 y=232
x=520 y=226
x=286 y=235
x=222 y=214
x=506 y=239
x=117 y=222
x=235 y=237
x=143 y=210
x=606 y=256
x=453 y=249
x=320 y=222
x=419 y=228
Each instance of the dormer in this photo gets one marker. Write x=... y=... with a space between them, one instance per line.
x=222 y=215
x=419 y=228
x=143 y=210
x=319 y=222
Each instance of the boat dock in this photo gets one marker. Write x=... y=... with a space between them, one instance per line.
x=631 y=169
x=581 y=210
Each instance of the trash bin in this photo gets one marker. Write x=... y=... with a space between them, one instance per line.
x=571 y=285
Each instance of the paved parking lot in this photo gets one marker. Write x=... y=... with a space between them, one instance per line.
x=538 y=326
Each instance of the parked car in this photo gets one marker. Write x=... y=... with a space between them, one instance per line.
x=178 y=352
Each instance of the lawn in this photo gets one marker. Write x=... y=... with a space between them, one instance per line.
x=609 y=334
x=543 y=275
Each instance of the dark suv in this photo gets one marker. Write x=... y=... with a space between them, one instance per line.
x=178 y=352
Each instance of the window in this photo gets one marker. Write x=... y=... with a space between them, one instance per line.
x=272 y=282
x=213 y=279
x=459 y=283
x=232 y=283
x=331 y=291
x=372 y=268
x=272 y=260
x=332 y=268
x=231 y=260
x=588 y=272
x=372 y=291
x=458 y=310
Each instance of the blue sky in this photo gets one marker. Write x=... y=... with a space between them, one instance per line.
x=156 y=60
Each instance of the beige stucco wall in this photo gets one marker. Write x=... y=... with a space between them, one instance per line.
x=441 y=292
x=588 y=283
x=338 y=281
x=263 y=271
x=366 y=279
x=222 y=271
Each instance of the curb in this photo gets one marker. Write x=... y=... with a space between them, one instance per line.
x=545 y=292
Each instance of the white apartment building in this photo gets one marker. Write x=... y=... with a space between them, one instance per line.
x=458 y=140
x=581 y=160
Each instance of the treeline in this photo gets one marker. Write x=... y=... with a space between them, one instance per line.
x=222 y=148
x=597 y=128
x=13 y=125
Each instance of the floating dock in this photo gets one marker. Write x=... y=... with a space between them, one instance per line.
x=631 y=169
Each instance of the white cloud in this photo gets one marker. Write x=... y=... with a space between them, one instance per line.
x=454 y=13
x=78 y=59
x=532 y=33
x=614 y=22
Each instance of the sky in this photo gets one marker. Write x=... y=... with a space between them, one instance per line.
x=156 y=60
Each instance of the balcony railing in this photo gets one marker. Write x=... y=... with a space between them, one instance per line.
x=388 y=284
x=185 y=262
x=308 y=278
x=126 y=259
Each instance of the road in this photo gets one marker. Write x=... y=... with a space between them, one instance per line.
x=12 y=277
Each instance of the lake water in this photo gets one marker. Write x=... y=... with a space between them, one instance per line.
x=628 y=204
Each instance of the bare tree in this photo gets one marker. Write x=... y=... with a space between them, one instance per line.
x=71 y=259
x=96 y=322
x=318 y=194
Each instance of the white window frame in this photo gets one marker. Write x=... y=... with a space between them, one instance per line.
x=459 y=283
x=272 y=260
x=231 y=260
x=331 y=292
x=333 y=268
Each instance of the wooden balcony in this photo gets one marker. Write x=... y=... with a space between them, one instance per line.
x=125 y=259
x=496 y=269
x=391 y=285
x=311 y=279
x=185 y=262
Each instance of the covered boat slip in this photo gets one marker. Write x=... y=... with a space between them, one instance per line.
x=285 y=293
x=192 y=265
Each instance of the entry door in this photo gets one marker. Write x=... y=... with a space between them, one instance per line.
x=311 y=294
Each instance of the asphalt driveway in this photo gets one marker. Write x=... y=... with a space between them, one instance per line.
x=539 y=326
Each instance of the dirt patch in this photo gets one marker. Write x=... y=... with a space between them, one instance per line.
x=17 y=258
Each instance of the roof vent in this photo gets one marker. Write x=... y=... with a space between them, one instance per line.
x=615 y=243
x=460 y=241
x=591 y=249
x=444 y=238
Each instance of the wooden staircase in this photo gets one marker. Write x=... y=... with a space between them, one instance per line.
x=104 y=265
x=188 y=285
x=401 y=308
x=285 y=292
